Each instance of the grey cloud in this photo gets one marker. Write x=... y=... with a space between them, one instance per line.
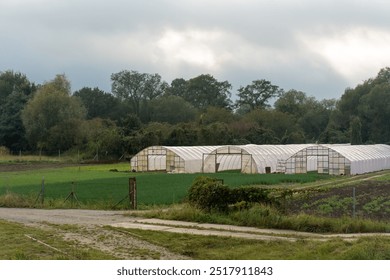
x=90 y=39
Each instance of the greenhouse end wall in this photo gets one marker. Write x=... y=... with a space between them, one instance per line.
x=318 y=158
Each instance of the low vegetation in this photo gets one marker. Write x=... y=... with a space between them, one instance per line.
x=19 y=242
x=27 y=243
x=223 y=248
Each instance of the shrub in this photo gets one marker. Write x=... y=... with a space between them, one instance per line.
x=249 y=194
x=209 y=194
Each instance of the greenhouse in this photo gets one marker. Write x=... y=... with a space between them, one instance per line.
x=184 y=159
x=250 y=158
x=340 y=159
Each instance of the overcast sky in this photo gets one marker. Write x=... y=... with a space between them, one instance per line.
x=319 y=47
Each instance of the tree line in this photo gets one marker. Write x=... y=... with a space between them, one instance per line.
x=143 y=110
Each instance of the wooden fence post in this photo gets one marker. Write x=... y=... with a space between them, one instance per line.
x=133 y=192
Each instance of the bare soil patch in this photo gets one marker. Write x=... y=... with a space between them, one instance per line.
x=24 y=166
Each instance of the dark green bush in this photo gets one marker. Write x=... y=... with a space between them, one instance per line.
x=249 y=194
x=209 y=194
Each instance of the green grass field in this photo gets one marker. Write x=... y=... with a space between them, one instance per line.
x=97 y=183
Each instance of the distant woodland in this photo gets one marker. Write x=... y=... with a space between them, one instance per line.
x=143 y=110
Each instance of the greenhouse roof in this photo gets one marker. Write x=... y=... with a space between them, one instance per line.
x=265 y=158
x=361 y=152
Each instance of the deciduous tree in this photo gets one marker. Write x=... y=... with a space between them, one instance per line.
x=100 y=104
x=137 y=88
x=52 y=117
x=203 y=91
x=257 y=95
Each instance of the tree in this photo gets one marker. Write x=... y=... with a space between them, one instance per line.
x=12 y=132
x=257 y=94
x=292 y=102
x=52 y=117
x=178 y=87
x=137 y=88
x=100 y=104
x=15 y=91
x=262 y=136
x=151 y=134
x=203 y=91
x=102 y=139
x=215 y=134
x=215 y=114
x=356 y=131
x=370 y=102
x=129 y=124
x=171 y=109
x=269 y=122
x=310 y=115
x=315 y=118
x=374 y=114
x=14 y=82
x=183 y=134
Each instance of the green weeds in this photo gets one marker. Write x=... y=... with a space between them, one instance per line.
x=265 y=216
x=221 y=248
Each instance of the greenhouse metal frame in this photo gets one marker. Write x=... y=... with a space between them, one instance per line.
x=250 y=158
x=182 y=159
x=339 y=159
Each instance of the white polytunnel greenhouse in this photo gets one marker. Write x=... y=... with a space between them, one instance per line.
x=338 y=159
x=250 y=158
x=183 y=159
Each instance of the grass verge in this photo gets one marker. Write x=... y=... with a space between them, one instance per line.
x=221 y=248
x=264 y=216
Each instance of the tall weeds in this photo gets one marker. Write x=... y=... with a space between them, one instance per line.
x=265 y=216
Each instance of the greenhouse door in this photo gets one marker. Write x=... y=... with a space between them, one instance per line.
x=157 y=163
x=318 y=159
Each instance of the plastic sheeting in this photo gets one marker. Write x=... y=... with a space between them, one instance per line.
x=251 y=158
x=338 y=159
x=184 y=159
x=341 y=159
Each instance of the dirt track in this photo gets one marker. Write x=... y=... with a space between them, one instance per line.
x=92 y=233
x=89 y=231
